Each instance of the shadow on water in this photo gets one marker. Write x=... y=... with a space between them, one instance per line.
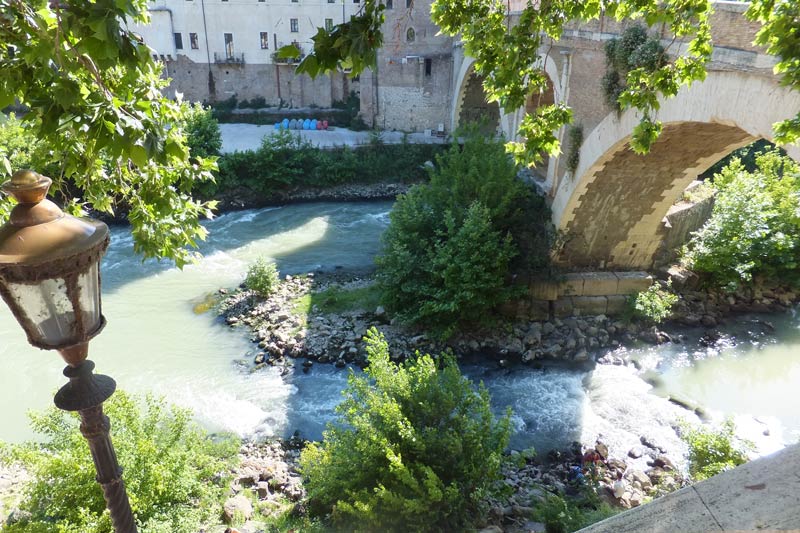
x=322 y=228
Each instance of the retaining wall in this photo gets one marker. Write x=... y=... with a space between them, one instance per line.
x=579 y=293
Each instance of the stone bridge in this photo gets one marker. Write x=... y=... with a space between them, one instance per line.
x=612 y=208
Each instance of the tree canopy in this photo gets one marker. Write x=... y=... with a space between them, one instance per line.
x=94 y=95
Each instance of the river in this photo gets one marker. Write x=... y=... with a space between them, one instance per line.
x=154 y=342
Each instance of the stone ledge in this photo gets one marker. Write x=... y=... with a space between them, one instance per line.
x=761 y=495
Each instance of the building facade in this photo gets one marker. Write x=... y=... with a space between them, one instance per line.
x=217 y=49
x=411 y=86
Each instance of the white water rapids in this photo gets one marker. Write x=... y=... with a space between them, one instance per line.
x=155 y=343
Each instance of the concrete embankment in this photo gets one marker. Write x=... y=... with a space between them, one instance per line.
x=758 y=496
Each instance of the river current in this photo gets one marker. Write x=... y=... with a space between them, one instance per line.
x=154 y=342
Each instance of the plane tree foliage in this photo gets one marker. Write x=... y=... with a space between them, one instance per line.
x=93 y=90
x=91 y=94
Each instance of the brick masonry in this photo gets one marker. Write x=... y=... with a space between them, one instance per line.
x=580 y=293
x=630 y=194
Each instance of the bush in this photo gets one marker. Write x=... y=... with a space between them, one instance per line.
x=654 y=304
x=712 y=451
x=262 y=277
x=174 y=473
x=415 y=448
x=202 y=131
x=285 y=161
x=563 y=515
x=754 y=229
x=449 y=247
x=633 y=50
x=573 y=155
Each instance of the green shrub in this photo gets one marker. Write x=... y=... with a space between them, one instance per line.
x=174 y=473
x=563 y=515
x=754 y=229
x=449 y=246
x=573 y=154
x=415 y=448
x=714 y=450
x=285 y=161
x=634 y=49
x=23 y=150
x=262 y=277
x=202 y=131
x=654 y=304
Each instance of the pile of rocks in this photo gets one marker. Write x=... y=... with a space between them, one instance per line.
x=267 y=473
x=532 y=480
x=13 y=479
x=282 y=331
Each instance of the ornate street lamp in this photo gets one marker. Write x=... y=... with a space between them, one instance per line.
x=50 y=278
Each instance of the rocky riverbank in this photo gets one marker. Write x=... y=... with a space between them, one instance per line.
x=267 y=483
x=284 y=327
x=245 y=199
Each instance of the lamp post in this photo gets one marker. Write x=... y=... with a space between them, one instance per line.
x=50 y=278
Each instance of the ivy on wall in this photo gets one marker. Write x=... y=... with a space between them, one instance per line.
x=635 y=49
x=573 y=155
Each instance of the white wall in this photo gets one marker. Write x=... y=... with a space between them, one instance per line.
x=245 y=19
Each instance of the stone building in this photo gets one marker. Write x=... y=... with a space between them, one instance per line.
x=215 y=49
x=410 y=89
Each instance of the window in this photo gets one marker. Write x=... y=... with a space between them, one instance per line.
x=428 y=66
x=355 y=1
x=411 y=35
x=193 y=41
x=264 y=40
x=229 y=45
x=389 y=4
x=331 y=1
x=178 y=41
x=328 y=24
x=293 y=25
x=409 y=4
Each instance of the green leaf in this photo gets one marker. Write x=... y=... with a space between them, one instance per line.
x=289 y=51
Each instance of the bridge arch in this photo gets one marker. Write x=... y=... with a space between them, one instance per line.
x=469 y=87
x=611 y=211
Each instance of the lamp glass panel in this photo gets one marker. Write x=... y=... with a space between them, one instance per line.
x=89 y=285
x=47 y=305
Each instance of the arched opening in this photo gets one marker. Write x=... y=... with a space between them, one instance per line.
x=619 y=222
x=612 y=209
x=475 y=109
x=411 y=35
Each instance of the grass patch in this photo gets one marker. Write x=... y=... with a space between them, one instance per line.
x=335 y=299
x=302 y=305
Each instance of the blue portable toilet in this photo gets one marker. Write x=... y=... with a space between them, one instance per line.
x=306 y=124
x=277 y=126
x=313 y=124
x=285 y=124
x=293 y=124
